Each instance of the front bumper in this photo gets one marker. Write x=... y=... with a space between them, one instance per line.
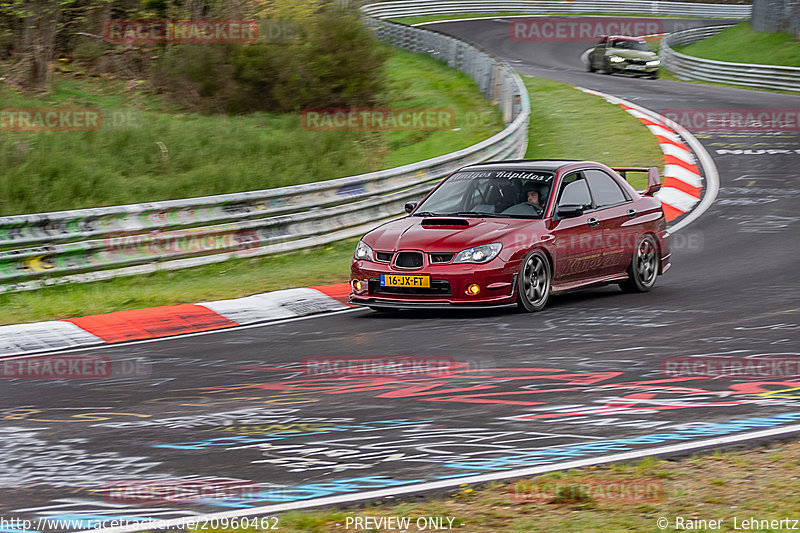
x=449 y=283
x=633 y=68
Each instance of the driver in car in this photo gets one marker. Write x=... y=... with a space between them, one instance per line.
x=533 y=198
x=531 y=203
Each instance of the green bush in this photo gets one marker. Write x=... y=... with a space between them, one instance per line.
x=333 y=62
x=196 y=76
x=337 y=62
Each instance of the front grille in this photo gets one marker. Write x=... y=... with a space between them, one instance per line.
x=439 y=287
x=440 y=258
x=383 y=256
x=408 y=260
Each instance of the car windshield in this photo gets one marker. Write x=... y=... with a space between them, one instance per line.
x=490 y=193
x=630 y=45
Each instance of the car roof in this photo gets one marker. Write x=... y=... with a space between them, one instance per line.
x=526 y=164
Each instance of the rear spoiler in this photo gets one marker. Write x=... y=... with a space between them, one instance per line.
x=653 y=179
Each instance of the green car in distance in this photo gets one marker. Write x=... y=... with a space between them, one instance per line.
x=621 y=54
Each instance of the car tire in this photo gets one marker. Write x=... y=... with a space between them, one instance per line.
x=654 y=75
x=607 y=68
x=534 y=282
x=643 y=270
x=590 y=66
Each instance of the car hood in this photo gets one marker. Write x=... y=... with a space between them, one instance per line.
x=632 y=54
x=436 y=234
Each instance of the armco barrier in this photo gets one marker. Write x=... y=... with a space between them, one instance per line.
x=415 y=8
x=92 y=244
x=694 y=68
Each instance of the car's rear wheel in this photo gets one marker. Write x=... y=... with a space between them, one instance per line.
x=533 y=285
x=643 y=270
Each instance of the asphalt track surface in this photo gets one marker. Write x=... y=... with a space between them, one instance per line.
x=580 y=381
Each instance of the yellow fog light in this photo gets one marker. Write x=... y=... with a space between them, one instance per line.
x=357 y=285
x=473 y=289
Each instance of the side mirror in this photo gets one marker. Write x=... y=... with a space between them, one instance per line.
x=410 y=206
x=569 y=211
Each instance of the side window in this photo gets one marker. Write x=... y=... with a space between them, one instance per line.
x=575 y=191
x=605 y=189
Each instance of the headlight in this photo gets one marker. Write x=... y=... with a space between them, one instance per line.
x=479 y=254
x=616 y=59
x=653 y=63
x=364 y=252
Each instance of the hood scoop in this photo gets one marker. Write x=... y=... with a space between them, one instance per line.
x=444 y=223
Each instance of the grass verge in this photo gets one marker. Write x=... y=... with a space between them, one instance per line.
x=760 y=484
x=564 y=123
x=571 y=124
x=50 y=171
x=741 y=44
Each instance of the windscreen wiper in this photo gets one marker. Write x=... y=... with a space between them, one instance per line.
x=476 y=214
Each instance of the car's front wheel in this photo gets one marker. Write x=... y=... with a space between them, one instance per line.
x=643 y=270
x=590 y=65
x=533 y=285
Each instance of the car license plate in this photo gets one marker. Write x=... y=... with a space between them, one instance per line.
x=636 y=67
x=392 y=280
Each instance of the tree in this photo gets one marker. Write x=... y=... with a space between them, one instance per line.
x=35 y=26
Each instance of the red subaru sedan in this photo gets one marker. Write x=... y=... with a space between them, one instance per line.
x=515 y=233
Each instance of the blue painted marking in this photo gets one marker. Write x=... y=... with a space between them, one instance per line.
x=317 y=490
x=555 y=453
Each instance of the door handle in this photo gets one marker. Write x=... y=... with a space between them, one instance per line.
x=632 y=213
x=593 y=222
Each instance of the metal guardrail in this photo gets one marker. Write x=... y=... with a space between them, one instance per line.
x=414 y=8
x=695 y=68
x=91 y=244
